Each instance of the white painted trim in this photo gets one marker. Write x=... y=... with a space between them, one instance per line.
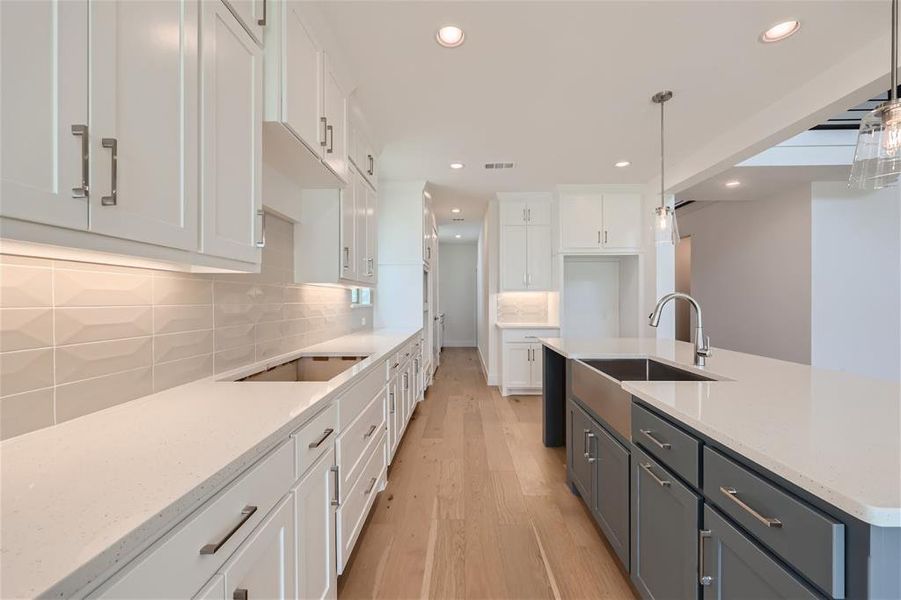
x=483 y=365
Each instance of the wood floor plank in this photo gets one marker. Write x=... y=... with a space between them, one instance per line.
x=477 y=507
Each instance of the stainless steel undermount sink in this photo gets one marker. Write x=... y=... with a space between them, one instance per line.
x=597 y=385
x=306 y=368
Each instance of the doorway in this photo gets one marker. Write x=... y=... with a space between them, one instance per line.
x=683 y=284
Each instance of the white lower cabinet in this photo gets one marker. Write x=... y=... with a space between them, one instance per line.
x=522 y=360
x=263 y=567
x=213 y=590
x=315 y=505
x=355 y=503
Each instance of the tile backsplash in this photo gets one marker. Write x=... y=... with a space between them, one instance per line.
x=522 y=307
x=80 y=337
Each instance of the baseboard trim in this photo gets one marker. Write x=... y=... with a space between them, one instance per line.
x=451 y=344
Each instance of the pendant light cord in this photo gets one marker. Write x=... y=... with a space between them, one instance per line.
x=894 y=94
x=662 y=201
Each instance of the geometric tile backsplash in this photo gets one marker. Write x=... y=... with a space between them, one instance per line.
x=522 y=307
x=80 y=337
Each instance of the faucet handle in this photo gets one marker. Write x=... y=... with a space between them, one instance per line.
x=705 y=349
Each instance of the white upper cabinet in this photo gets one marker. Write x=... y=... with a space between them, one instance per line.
x=514 y=261
x=252 y=15
x=371 y=228
x=361 y=150
x=539 y=253
x=348 y=233
x=144 y=148
x=335 y=105
x=231 y=135
x=44 y=112
x=599 y=221
x=526 y=249
x=622 y=221
x=525 y=209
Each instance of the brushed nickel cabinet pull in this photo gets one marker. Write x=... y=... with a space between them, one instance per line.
x=660 y=482
x=368 y=490
x=330 y=133
x=585 y=432
x=599 y=237
x=371 y=164
x=372 y=429
x=649 y=434
x=324 y=140
x=113 y=146
x=337 y=499
x=588 y=455
x=261 y=22
x=246 y=513
x=605 y=236
x=732 y=494
x=391 y=397
x=318 y=442
x=81 y=190
x=240 y=594
x=346 y=257
x=262 y=241
x=703 y=579
x=529 y=215
x=524 y=215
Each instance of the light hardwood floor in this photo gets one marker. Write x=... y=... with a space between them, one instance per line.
x=477 y=507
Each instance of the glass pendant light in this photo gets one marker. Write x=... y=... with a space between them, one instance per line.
x=665 y=229
x=877 y=160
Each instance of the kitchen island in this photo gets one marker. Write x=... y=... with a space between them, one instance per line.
x=828 y=442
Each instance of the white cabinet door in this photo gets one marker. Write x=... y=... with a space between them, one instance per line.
x=213 y=590
x=581 y=221
x=348 y=232
x=144 y=121
x=622 y=221
x=517 y=365
x=372 y=229
x=251 y=14
x=359 y=191
x=44 y=86
x=514 y=260
x=539 y=257
x=513 y=212
x=263 y=566
x=537 y=365
x=301 y=79
x=394 y=422
x=538 y=211
x=231 y=113
x=315 y=518
x=335 y=114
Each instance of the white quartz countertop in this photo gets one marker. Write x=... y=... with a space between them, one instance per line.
x=527 y=326
x=833 y=434
x=79 y=498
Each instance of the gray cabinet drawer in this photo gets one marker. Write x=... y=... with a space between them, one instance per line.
x=810 y=541
x=664 y=441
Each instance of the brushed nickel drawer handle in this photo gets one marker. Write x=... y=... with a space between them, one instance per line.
x=703 y=579
x=241 y=594
x=113 y=146
x=368 y=490
x=261 y=23
x=648 y=434
x=318 y=442
x=732 y=494
x=336 y=501
x=395 y=365
x=660 y=482
x=372 y=429
x=588 y=455
x=81 y=190
x=246 y=513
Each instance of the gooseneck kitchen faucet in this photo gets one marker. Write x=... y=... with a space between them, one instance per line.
x=702 y=343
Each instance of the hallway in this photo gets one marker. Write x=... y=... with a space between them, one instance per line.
x=477 y=507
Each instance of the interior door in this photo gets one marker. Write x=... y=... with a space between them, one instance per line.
x=539 y=257
x=348 y=232
x=335 y=155
x=514 y=261
x=316 y=553
x=517 y=365
x=144 y=120
x=581 y=217
x=622 y=221
x=264 y=565
x=44 y=86
x=302 y=80
x=231 y=112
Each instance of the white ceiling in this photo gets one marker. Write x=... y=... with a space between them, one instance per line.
x=563 y=88
x=759 y=182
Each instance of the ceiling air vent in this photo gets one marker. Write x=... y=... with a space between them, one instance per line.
x=458 y=219
x=499 y=165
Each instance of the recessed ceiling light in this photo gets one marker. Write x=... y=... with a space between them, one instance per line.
x=456 y=211
x=780 y=31
x=733 y=183
x=450 y=36
x=458 y=236
x=457 y=166
x=621 y=164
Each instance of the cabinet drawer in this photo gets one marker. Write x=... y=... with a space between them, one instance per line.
x=810 y=541
x=354 y=400
x=353 y=443
x=529 y=335
x=313 y=439
x=355 y=504
x=178 y=565
x=667 y=443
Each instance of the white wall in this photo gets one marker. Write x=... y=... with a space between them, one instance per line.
x=482 y=295
x=750 y=271
x=458 y=294
x=856 y=280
